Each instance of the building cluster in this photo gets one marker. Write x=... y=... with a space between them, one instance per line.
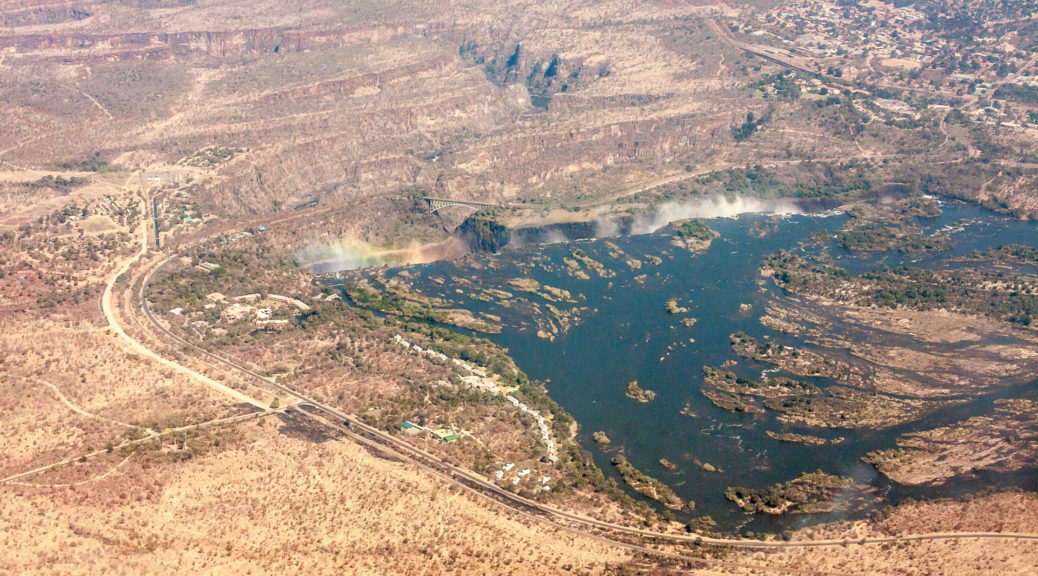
x=519 y=476
x=236 y=311
x=444 y=434
x=248 y=306
x=478 y=378
x=542 y=425
x=418 y=349
x=931 y=47
x=826 y=29
x=898 y=36
x=299 y=304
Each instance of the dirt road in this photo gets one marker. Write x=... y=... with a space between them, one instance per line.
x=109 y=311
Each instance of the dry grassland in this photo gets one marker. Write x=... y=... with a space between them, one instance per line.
x=82 y=390
x=1008 y=512
x=273 y=502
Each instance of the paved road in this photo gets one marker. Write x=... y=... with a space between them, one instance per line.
x=473 y=481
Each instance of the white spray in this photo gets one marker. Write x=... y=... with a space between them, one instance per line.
x=716 y=207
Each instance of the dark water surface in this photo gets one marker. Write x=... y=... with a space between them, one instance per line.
x=627 y=335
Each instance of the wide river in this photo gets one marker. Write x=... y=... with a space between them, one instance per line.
x=625 y=334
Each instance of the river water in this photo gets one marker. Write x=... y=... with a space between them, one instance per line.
x=625 y=334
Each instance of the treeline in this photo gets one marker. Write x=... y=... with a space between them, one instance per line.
x=1002 y=295
x=810 y=493
x=647 y=485
x=747 y=128
x=61 y=184
x=93 y=163
x=237 y=273
x=694 y=228
x=1018 y=93
x=881 y=239
x=1012 y=253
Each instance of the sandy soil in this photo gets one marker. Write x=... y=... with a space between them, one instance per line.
x=1010 y=512
x=83 y=390
x=274 y=503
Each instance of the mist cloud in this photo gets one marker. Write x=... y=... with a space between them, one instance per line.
x=609 y=228
x=716 y=207
x=332 y=255
x=342 y=254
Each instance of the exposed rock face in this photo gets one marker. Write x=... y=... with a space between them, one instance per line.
x=483 y=235
x=37 y=15
x=574 y=231
x=556 y=232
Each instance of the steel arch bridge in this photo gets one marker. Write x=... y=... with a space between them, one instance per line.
x=437 y=203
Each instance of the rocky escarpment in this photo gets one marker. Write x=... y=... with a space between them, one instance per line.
x=486 y=235
x=483 y=234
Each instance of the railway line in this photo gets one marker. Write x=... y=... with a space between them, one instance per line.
x=625 y=536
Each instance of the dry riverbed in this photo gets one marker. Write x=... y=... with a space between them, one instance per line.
x=1003 y=442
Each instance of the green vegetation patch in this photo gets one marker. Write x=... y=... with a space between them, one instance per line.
x=394 y=302
x=805 y=404
x=93 y=163
x=484 y=234
x=647 y=485
x=811 y=493
x=636 y=392
x=737 y=394
x=212 y=156
x=794 y=360
x=728 y=381
x=1004 y=295
x=694 y=228
x=234 y=273
x=747 y=128
x=60 y=183
x=783 y=85
x=1013 y=253
x=907 y=239
x=1018 y=93
x=806 y=439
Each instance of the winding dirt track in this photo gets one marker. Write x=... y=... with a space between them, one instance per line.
x=148 y=438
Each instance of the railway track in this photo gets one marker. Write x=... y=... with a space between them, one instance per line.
x=614 y=533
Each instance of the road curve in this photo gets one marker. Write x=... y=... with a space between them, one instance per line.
x=563 y=519
x=113 y=322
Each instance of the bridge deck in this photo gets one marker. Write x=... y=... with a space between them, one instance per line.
x=437 y=203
